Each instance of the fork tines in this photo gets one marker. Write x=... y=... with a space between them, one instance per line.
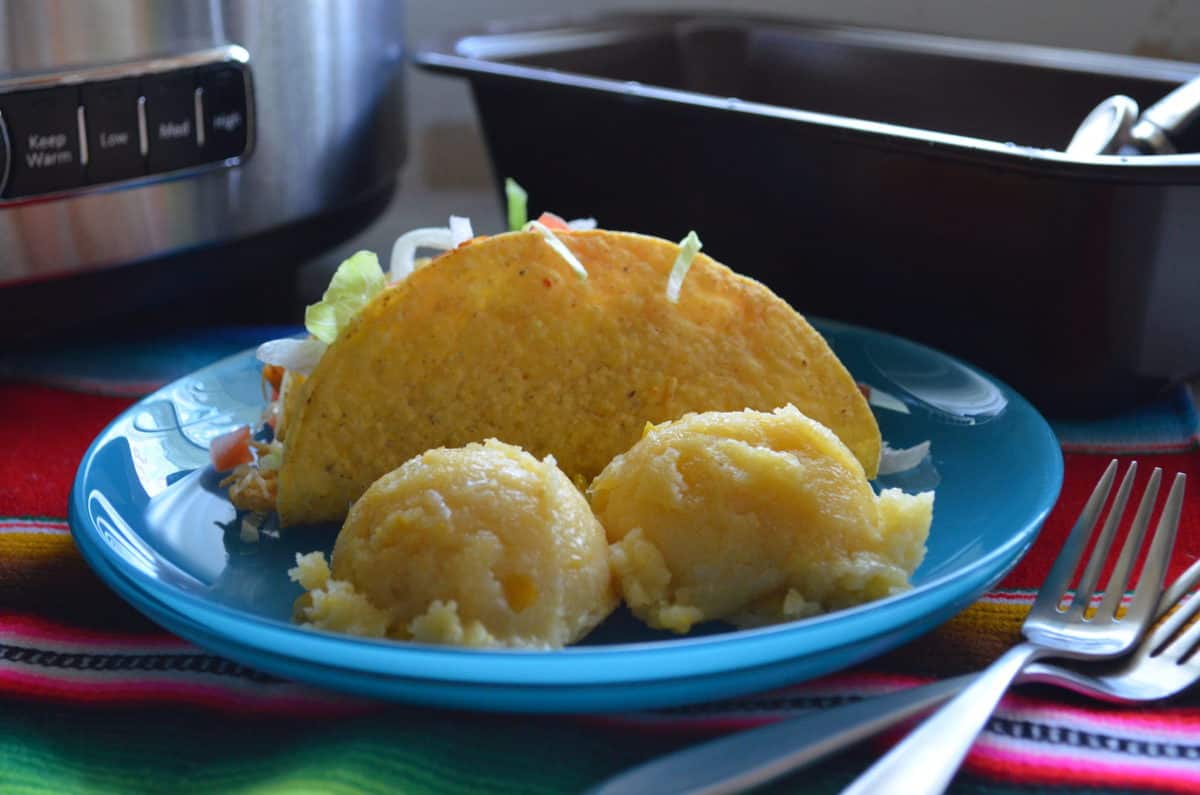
x=1150 y=580
x=1173 y=639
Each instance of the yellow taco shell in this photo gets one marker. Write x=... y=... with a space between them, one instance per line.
x=500 y=338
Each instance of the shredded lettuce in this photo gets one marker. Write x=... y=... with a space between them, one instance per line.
x=518 y=212
x=893 y=461
x=460 y=230
x=559 y=247
x=355 y=282
x=404 y=250
x=688 y=248
x=272 y=460
x=251 y=524
x=300 y=356
x=885 y=400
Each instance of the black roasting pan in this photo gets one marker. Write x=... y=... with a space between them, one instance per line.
x=908 y=182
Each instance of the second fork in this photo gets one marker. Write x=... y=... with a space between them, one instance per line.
x=926 y=760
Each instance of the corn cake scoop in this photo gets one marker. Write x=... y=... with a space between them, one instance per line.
x=481 y=546
x=752 y=518
x=500 y=338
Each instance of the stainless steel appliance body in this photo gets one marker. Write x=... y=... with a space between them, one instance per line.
x=322 y=126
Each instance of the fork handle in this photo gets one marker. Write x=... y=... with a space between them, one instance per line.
x=927 y=759
x=753 y=757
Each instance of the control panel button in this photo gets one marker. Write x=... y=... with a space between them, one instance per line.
x=223 y=97
x=113 y=142
x=43 y=128
x=171 y=121
x=63 y=132
x=3 y=153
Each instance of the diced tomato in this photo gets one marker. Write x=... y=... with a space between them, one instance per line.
x=552 y=221
x=273 y=375
x=231 y=449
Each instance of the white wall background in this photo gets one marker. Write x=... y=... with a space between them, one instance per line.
x=447 y=169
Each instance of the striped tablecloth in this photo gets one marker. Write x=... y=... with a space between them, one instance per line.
x=96 y=699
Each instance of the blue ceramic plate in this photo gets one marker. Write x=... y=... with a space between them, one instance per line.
x=147 y=514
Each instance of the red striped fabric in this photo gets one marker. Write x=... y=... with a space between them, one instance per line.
x=109 y=658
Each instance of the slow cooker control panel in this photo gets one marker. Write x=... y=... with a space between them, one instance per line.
x=89 y=128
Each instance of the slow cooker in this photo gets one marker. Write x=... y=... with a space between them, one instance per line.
x=151 y=150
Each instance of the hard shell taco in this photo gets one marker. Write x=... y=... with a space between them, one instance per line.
x=562 y=341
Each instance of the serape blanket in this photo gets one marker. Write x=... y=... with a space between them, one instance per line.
x=95 y=698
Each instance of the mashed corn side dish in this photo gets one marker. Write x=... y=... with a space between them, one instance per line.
x=482 y=545
x=753 y=518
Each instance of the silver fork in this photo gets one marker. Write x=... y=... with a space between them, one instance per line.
x=927 y=759
x=1165 y=663
x=747 y=759
x=1160 y=668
